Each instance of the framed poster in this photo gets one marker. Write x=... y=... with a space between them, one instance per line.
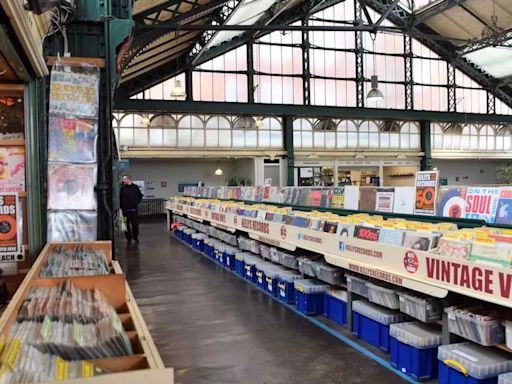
x=427 y=185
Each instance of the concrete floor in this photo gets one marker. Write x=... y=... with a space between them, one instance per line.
x=213 y=327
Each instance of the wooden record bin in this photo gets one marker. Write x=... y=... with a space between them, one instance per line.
x=145 y=363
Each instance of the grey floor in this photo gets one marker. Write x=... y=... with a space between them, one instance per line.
x=213 y=327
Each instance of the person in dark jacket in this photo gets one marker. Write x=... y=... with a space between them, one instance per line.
x=130 y=197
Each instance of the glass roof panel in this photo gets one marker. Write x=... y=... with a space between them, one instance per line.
x=247 y=13
x=491 y=60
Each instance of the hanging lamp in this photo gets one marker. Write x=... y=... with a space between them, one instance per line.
x=375 y=93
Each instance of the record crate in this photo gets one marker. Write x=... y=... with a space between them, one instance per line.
x=145 y=362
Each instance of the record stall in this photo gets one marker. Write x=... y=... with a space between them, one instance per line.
x=435 y=297
x=74 y=317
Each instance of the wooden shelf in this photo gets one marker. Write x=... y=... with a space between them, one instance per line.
x=12 y=143
x=145 y=365
x=503 y=347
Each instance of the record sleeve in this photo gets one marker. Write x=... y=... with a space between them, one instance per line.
x=71 y=186
x=384 y=200
x=504 y=209
x=351 y=197
x=391 y=236
x=366 y=233
x=404 y=200
x=338 y=198
x=315 y=198
x=346 y=229
x=66 y=226
x=367 y=199
x=482 y=203
x=452 y=202
x=419 y=241
x=72 y=140
x=330 y=227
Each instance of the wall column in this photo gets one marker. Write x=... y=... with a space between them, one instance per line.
x=426 y=145
x=288 y=146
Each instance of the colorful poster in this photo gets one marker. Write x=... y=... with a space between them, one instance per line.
x=384 y=201
x=427 y=184
x=315 y=198
x=504 y=208
x=452 y=202
x=72 y=140
x=482 y=203
x=12 y=169
x=338 y=198
x=74 y=91
x=10 y=239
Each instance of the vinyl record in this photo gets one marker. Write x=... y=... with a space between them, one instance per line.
x=452 y=204
x=71 y=186
x=7 y=227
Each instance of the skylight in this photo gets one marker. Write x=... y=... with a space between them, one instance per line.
x=418 y=5
x=492 y=60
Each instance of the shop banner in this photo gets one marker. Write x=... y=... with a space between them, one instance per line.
x=427 y=184
x=10 y=239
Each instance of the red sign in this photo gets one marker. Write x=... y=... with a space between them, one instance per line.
x=411 y=262
x=219 y=217
x=256 y=226
x=367 y=233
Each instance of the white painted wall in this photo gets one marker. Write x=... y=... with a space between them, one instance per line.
x=175 y=171
x=469 y=172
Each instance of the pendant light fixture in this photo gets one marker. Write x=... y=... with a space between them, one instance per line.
x=145 y=120
x=375 y=94
x=178 y=91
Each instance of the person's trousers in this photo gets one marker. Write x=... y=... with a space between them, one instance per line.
x=132 y=226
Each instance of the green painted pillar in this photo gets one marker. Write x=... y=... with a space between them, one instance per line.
x=288 y=146
x=426 y=145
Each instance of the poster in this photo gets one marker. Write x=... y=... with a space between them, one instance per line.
x=71 y=186
x=384 y=201
x=10 y=239
x=149 y=189
x=338 y=198
x=452 y=202
x=504 y=208
x=426 y=184
x=482 y=203
x=12 y=169
x=74 y=91
x=315 y=198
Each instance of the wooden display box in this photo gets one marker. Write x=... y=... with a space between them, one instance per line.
x=116 y=290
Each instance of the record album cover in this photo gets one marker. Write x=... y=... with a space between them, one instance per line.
x=452 y=202
x=419 y=241
x=72 y=140
x=338 y=198
x=351 y=197
x=367 y=199
x=71 y=186
x=391 y=236
x=72 y=226
x=330 y=227
x=504 y=209
x=346 y=229
x=366 y=233
x=315 y=198
x=384 y=200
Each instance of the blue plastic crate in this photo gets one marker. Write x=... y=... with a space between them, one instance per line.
x=449 y=375
x=420 y=364
x=371 y=331
x=229 y=260
x=335 y=309
x=240 y=267
x=198 y=244
x=260 y=279
x=286 y=291
x=271 y=286
x=207 y=249
x=250 y=272
x=309 y=303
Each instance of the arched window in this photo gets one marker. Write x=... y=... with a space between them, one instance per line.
x=302 y=133
x=437 y=136
x=469 y=138
x=409 y=136
x=270 y=133
x=347 y=134
x=218 y=132
x=161 y=128
x=190 y=131
x=245 y=122
x=452 y=136
x=487 y=139
x=503 y=138
x=368 y=134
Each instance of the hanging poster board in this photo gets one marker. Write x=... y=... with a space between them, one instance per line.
x=10 y=241
x=426 y=184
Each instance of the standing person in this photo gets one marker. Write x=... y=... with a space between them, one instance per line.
x=130 y=197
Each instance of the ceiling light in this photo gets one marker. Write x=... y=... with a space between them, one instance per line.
x=145 y=120
x=258 y=123
x=375 y=94
x=219 y=172
x=178 y=90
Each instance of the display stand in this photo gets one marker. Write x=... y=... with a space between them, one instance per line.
x=416 y=270
x=145 y=364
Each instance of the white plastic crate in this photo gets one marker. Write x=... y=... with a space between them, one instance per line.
x=289 y=276
x=424 y=308
x=505 y=378
x=308 y=286
x=287 y=259
x=479 y=362
x=476 y=324
x=357 y=285
x=385 y=296
x=377 y=313
x=416 y=334
x=265 y=251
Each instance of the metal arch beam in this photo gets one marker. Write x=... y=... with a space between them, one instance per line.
x=168 y=70
x=500 y=40
x=201 y=107
x=435 y=10
x=445 y=49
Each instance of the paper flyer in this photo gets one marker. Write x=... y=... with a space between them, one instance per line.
x=426 y=183
x=10 y=240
